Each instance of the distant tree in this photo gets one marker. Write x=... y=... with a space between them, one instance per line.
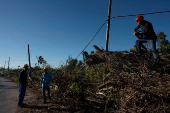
x=48 y=66
x=41 y=61
x=2 y=68
x=162 y=43
x=72 y=62
x=44 y=63
x=80 y=63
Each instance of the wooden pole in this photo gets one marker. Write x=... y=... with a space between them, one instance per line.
x=108 y=25
x=29 y=61
x=4 y=64
x=8 y=64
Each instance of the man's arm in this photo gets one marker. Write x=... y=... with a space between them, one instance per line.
x=21 y=79
x=134 y=32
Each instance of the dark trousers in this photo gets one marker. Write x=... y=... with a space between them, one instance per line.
x=48 y=91
x=21 y=93
x=152 y=44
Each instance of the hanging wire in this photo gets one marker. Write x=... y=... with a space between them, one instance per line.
x=92 y=38
x=141 y=14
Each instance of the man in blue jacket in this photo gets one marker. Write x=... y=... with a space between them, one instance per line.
x=45 y=80
x=149 y=36
x=22 y=85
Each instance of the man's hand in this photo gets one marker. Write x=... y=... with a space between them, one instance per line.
x=21 y=86
x=134 y=33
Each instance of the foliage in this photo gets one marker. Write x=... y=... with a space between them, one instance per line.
x=106 y=84
x=2 y=68
x=72 y=62
x=80 y=63
x=163 y=43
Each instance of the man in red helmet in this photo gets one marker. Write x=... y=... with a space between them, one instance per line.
x=149 y=36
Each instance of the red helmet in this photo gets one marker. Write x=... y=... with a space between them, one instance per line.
x=139 y=18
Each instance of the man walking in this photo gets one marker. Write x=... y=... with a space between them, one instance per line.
x=149 y=36
x=45 y=80
x=22 y=85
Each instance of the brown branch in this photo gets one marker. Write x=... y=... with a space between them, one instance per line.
x=167 y=100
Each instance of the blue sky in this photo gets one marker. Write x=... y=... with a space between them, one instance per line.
x=56 y=29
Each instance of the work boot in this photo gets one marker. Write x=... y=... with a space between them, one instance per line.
x=132 y=50
x=140 y=52
x=19 y=106
x=22 y=105
x=50 y=98
x=44 y=101
x=143 y=51
x=157 y=63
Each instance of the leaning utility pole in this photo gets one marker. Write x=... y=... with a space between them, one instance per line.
x=108 y=25
x=29 y=60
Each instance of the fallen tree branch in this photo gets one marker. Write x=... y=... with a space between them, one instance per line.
x=167 y=100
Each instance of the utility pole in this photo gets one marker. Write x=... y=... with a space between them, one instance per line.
x=29 y=60
x=4 y=64
x=8 y=64
x=108 y=25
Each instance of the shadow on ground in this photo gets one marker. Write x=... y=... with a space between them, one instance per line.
x=44 y=107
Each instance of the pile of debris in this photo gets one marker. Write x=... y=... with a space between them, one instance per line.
x=133 y=84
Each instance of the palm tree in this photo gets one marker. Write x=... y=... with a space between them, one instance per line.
x=41 y=61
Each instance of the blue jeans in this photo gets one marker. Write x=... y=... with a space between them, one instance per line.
x=48 y=91
x=21 y=93
x=152 y=44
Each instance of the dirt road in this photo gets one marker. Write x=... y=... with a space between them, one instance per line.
x=33 y=100
x=8 y=96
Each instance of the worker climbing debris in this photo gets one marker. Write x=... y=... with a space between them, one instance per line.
x=149 y=37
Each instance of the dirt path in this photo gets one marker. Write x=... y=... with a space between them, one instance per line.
x=33 y=100
x=8 y=96
x=34 y=104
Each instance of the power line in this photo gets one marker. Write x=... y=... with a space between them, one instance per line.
x=92 y=38
x=99 y=31
x=141 y=14
x=112 y=18
x=116 y=17
x=89 y=42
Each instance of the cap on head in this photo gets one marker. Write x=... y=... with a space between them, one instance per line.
x=25 y=65
x=45 y=68
x=139 y=18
